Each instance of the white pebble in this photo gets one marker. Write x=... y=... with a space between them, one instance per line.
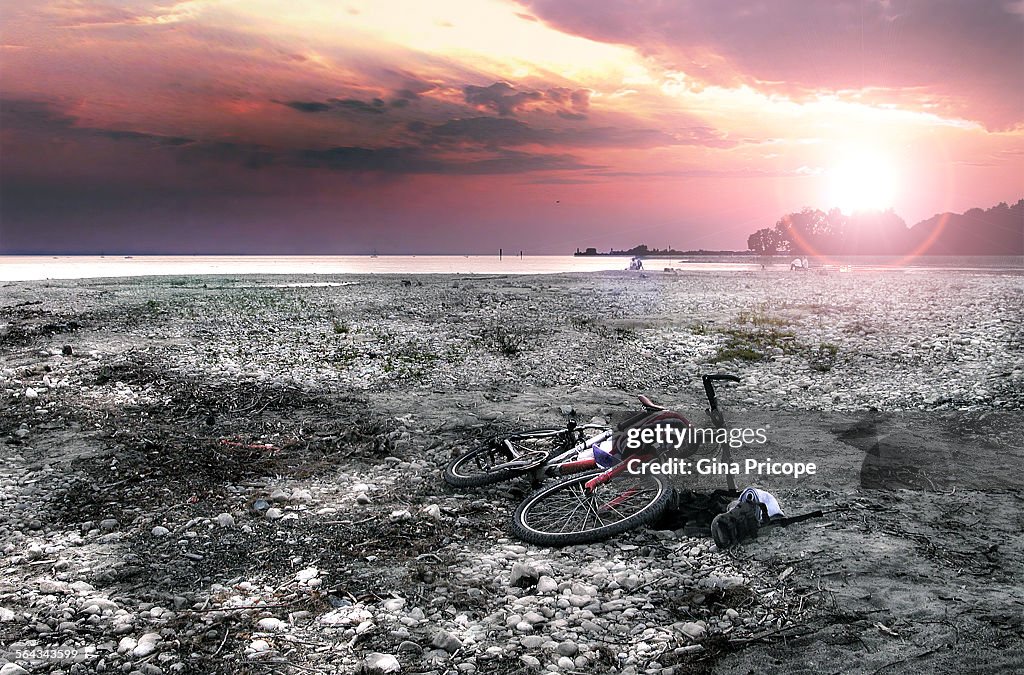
x=271 y=624
x=226 y=520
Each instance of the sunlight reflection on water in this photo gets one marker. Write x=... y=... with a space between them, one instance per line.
x=23 y=268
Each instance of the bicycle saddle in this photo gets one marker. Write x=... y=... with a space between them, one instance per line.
x=649 y=404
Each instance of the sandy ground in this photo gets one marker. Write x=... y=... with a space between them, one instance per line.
x=242 y=474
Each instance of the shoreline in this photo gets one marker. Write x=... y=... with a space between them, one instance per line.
x=41 y=268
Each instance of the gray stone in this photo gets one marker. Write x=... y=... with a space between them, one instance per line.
x=147 y=645
x=546 y=586
x=225 y=520
x=530 y=661
x=446 y=641
x=376 y=663
x=533 y=641
x=694 y=631
x=524 y=575
x=271 y=624
x=302 y=496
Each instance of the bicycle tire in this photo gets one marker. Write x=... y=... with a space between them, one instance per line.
x=459 y=471
x=536 y=518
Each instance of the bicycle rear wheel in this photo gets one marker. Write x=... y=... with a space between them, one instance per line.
x=504 y=457
x=564 y=513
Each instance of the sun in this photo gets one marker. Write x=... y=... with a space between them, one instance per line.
x=862 y=182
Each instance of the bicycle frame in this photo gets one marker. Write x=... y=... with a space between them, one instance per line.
x=558 y=466
x=717 y=419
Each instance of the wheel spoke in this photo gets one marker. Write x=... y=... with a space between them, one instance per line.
x=552 y=516
x=572 y=509
x=568 y=518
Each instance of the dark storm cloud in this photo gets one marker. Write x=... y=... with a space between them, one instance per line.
x=486 y=131
x=32 y=116
x=412 y=90
x=37 y=116
x=500 y=97
x=346 y=105
x=506 y=100
x=308 y=106
x=496 y=132
x=578 y=99
x=399 y=160
x=405 y=89
x=413 y=160
x=962 y=57
x=141 y=136
x=373 y=107
x=248 y=155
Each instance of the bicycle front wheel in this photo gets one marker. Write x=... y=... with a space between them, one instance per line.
x=504 y=458
x=565 y=513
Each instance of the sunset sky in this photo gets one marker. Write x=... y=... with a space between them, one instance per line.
x=462 y=126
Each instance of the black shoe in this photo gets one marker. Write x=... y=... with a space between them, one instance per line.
x=735 y=525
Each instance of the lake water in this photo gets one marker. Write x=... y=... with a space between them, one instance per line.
x=23 y=268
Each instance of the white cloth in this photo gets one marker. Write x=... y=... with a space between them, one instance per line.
x=767 y=500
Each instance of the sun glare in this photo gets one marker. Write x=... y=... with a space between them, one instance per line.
x=862 y=182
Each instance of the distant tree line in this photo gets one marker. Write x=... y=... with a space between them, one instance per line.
x=643 y=250
x=995 y=231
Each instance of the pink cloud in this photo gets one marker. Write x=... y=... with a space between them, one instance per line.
x=958 y=58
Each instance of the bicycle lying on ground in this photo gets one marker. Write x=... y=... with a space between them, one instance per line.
x=601 y=497
x=535 y=452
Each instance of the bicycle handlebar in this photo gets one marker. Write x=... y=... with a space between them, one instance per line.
x=709 y=387
x=720 y=376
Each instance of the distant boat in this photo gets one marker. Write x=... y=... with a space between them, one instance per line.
x=374 y=254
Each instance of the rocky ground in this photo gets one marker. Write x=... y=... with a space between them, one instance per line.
x=242 y=474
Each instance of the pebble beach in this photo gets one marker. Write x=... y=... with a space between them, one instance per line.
x=242 y=473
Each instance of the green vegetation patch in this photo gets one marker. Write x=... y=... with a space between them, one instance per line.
x=754 y=345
